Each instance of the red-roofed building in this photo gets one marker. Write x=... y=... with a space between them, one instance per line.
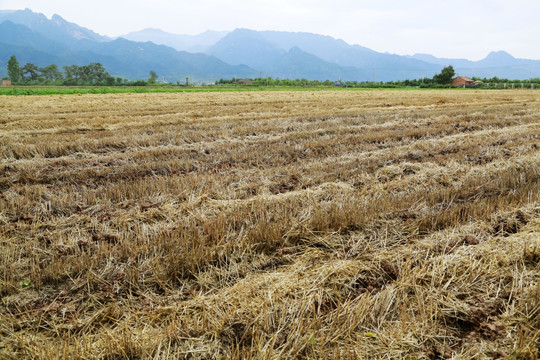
x=462 y=81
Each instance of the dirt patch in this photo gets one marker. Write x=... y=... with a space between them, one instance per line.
x=510 y=223
x=288 y=185
x=481 y=321
x=107 y=238
x=374 y=281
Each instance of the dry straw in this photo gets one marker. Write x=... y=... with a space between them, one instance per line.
x=275 y=225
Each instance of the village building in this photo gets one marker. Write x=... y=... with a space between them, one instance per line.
x=462 y=81
x=5 y=82
x=244 y=82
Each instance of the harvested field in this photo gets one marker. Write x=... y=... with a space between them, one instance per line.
x=271 y=225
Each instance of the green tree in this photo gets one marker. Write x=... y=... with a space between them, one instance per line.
x=71 y=74
x=30 y=72
x=153 y=77
x=14 y=71
x=51 y=73
x=91 y=74
x=445 y=76
x=95 y=73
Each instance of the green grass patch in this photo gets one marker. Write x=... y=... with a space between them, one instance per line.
x=67 y=90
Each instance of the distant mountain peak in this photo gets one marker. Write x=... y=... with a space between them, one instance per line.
x=499 y=55
x=151 y=30
x=245 y=30
x=499 y=58
x=247 y=33
x=57 y=19
x=181 y=42
x=295 y=49
x=54 y=29
x=29 y=11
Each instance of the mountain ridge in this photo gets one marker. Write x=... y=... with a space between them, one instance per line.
x=181 y=42
x=496 y=64
x=250 y=46
x=239 y=53
x=56 y=27
x=121 y=57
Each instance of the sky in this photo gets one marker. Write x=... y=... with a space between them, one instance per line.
x=456 y=29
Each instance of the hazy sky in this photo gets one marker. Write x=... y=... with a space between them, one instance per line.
x=457 y=28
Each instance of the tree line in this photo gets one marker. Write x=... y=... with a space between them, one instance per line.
x=440 y=80
x=94 y=74
x=444 y=78
x=31 y=74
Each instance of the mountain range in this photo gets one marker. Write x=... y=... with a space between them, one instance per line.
x=34 y=38
x=190 y=43
x=31 y=37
